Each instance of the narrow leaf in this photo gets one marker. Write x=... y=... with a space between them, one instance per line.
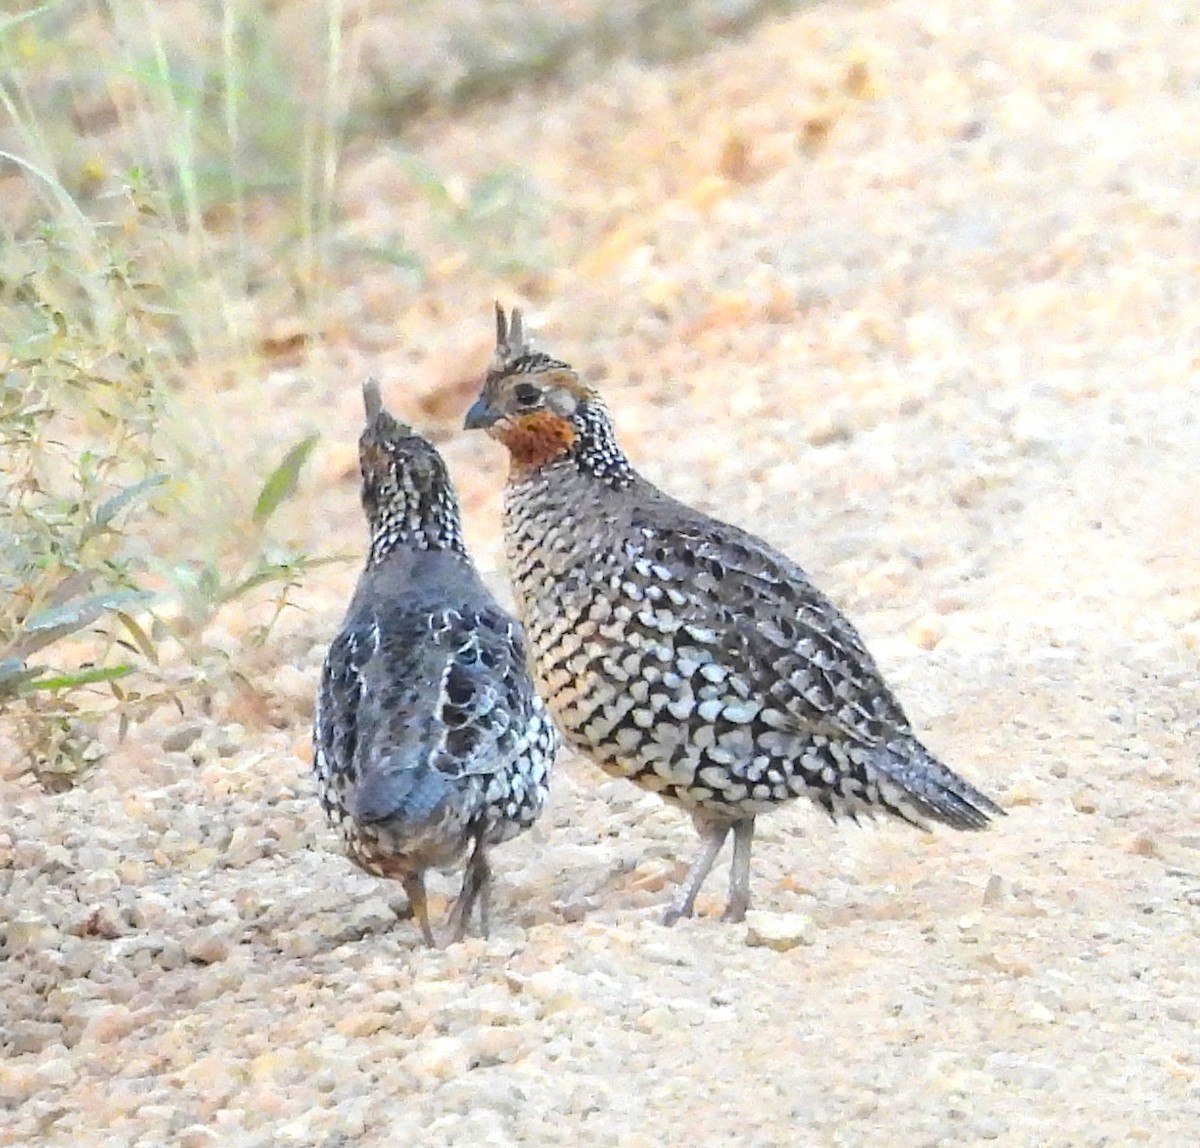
x=10 y=22
x=141 y=639
x=109 y=509
x=80 y=612
x=260 y=578
x=82 y=678
x=282 y=482
x=15 y=676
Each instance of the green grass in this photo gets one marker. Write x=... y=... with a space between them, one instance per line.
x=123 y=275
x=168 y=182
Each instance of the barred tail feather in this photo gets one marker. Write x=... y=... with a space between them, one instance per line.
x=929 y=789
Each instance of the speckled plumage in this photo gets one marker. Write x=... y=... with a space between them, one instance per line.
x=429 y=737
x=684 y=653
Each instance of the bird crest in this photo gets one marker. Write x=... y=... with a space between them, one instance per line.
x=372 y=399
x=514 y=352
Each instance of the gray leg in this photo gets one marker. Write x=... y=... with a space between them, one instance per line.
x=476 y=887
x=414 y=886
x=485 y=897
x=739 y=871
x=712 y=835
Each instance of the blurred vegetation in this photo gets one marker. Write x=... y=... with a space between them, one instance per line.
x=94 y=621
x=124 y=274
x=168 y=174
x=486 y=50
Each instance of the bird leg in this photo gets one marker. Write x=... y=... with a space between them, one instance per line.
x=476 y=887
x=712 y=837
x=414 y=886
x=739 y=871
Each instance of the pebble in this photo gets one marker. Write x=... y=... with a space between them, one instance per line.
x=1009 y=962
x=779 y=931
x=297 y=688
x=1084 y=800
x=439 y=1059
x=30 y=933
x=206 y=946
x=31 y=1035
x=363 y=918
x=362 y=1024
x=18 y=1082
x=105 y=1024
x=927 y=632
x=994 y=891
x=1038 y=1013
x=555 y=990
x=98 y=883
x=197 y=1136
x=492 y=1045
x=182 y=737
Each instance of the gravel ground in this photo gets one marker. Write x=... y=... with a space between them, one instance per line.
x=910 y=290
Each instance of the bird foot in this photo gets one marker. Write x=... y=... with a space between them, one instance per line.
x=735 y=912
x=675 y=912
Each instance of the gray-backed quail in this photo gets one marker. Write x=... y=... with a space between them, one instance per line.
x=681 y=652
x=429 y=737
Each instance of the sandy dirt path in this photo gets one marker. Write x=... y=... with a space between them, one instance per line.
x=909 y=290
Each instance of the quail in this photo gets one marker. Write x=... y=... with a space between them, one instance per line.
x=429 y=738
x=684 y=653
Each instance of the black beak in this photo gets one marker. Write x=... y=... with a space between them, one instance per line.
x=480 y=416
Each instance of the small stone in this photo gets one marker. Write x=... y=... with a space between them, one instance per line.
x=1008 y=962
x=100 y=921
x=1038 y=1013
x=31 y=1035
x=989 y=1128
x=17 y=1083
x=1142 y=844
x=993 y=892
x=439 y=1059
x=779 y=931
x=361 y=1024
x=108 y=1023
x=206 y=946
x=1084 y=800
x=243 y=847
x=30 y=933
x=1186 y=1012
x=77 y=957
x=572 y=912
x=296 y=687
x=197 y=1136
x=57 y=1072
x=169 y=954
x=151 y=910
x=364 y=919
x=495 y=1044
x=491 y=1091
x=132 y=871
x=927 y=632
x=229 y=739
x=98 y=884
x=658 y=1018
x=182 y=737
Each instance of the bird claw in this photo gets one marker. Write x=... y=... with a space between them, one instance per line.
x=675 y=913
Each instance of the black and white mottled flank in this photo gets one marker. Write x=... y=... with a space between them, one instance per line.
x=684 y=653
x=429 y=737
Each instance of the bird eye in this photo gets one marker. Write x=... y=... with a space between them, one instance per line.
x=526 y=394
